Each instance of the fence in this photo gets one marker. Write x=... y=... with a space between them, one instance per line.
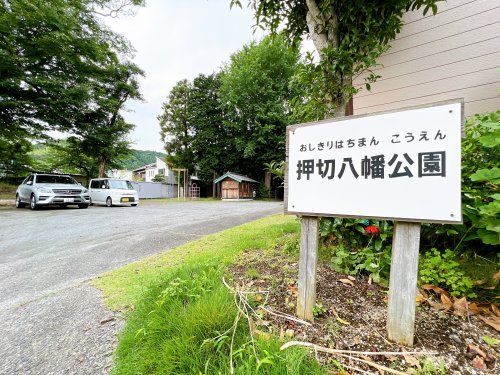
x=155 y=190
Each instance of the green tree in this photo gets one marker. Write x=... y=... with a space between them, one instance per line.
x=51 y=55
x=256 y=92
x=348 y=35
x=212 y=142
x=15 y=156
x=138 y=158
x=65 y=156
x=102 y=131
x=176 y=126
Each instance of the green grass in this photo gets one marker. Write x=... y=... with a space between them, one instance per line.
x=124 y=287
x=7 y=191
x=176 y=305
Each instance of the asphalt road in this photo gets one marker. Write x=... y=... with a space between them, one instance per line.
x=51 y=320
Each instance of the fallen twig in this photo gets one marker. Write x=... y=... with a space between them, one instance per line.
x=286 y=316
x=350 y=354
x=341 y=351
x=373 y=364
x=358 y=370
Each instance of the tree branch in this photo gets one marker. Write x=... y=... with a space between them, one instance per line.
x=316 y=26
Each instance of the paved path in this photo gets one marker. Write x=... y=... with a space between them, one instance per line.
x=51 y=320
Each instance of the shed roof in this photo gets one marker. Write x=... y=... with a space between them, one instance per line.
x=234 y=176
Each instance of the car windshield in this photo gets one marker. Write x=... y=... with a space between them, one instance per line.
x=120 y=184
x=54 y=179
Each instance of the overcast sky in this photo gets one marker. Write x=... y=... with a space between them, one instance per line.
x=176 y=39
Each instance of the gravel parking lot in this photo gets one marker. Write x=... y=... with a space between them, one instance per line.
x=51 y=320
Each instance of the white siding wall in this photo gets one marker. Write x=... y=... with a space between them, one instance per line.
x=453 y=54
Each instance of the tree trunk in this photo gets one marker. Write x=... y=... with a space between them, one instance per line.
x=214 y=187
x=318 y=24
x=102 y=167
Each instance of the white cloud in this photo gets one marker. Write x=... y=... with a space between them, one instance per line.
x=176 y=39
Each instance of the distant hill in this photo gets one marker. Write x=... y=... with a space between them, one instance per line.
x=138 y=158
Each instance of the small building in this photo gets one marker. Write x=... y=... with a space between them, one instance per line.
x=149 y=171
x=235 y=186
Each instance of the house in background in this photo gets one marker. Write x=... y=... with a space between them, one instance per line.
x=149 y=171
x=235 y=186
x=121 y=174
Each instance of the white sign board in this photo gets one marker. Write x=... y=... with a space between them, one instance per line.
x=401 y=165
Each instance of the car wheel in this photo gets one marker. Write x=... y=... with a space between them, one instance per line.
x=109 y=202
x=33 y=204
x=134 y=204
x=19 y=204
x=83 y=206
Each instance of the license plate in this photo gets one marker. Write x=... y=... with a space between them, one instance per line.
x=69 y=200
x=124 y=199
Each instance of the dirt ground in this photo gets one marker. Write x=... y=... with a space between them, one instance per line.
x=351 y=314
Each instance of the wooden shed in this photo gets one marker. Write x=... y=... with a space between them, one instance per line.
x=235 y=186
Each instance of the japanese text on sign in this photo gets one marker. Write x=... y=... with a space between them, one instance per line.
x=396 y=165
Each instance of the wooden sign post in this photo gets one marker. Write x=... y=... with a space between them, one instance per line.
x=403 y=282
x=399 y=165
x=309 y=239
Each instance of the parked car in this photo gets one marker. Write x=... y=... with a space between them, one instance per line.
x=51 y=189
x=112 y=192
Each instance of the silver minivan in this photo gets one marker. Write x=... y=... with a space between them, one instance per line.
x=112 y=192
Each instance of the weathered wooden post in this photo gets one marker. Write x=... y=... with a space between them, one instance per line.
x=309 y=238
x=403 y=282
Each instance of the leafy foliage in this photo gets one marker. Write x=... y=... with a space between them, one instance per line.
x=102 y=130
x=289 y=243
x=138 y=158
x=64 y=156
x=349 y=36
x=443 y=269
x=15 y=156
x=354 y=251
x=255 y=89
x=277 y=169
x=61 y=69
x=232 y=120
x=213 y=142
x=158 y=178
x=480 y=193
x=481 y=150
x=176 y=126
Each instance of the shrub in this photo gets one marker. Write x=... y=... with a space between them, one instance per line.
x=480 y=194
x=443 y=269
x=374 y=263
x=289 y=243
x=158 y=178
x=358 y=246
x=262 y=192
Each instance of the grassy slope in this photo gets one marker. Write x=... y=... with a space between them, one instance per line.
x=122 y=288
x=177 y=304
x=7 y=191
